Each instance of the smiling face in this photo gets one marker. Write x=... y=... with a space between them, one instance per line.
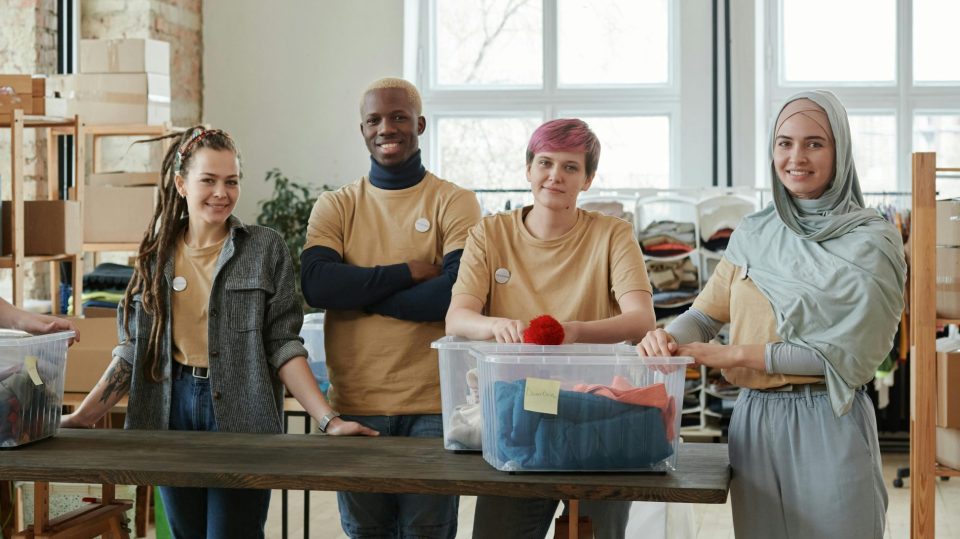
x=390 y=126
x=804 y=156
x=558 y=178
x=211 y=186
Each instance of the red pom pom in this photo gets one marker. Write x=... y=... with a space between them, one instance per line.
x=543 y=329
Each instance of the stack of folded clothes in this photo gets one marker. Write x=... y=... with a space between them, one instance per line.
x=105 y=285
x=596 y=428
x=612 y=208
x=667 y=238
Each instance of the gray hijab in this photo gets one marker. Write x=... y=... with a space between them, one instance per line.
x=832 y=270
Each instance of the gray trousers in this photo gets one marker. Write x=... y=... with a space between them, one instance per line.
x=499 y=517
x=800 y=472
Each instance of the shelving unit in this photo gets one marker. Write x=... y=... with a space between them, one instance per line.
x=17 y=260
x=923 y=364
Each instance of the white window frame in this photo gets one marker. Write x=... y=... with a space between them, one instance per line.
x=550 y=100
x=903 y=96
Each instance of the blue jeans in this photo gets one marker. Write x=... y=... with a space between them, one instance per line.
x=207 y=512
x=405 y=516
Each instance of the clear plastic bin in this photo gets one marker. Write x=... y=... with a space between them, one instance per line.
x=312 y=335
x=460 y=387
x=615 y=412
x=31 y=386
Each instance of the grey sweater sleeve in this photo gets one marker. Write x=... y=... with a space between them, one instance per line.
x=783 y=358
x=693 y=326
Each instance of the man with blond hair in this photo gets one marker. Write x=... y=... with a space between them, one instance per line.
x=381 y=257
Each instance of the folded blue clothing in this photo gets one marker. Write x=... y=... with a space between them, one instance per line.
x=589 y=432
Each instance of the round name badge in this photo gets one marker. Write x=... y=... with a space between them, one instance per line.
x=502 y=275
x=422 y=225
x=179 y=284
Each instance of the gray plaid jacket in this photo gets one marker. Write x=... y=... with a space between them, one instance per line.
x=253 y=329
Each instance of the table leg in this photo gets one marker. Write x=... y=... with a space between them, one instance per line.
x=7 y=509
x=41 y=507
x=573 y=519
x=283 y=493
x=306 y=493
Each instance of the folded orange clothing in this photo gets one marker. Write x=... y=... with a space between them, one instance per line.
x=621 y=390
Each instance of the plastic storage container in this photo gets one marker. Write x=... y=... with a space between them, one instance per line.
x=312 y=335
x=460 y=386
x=572 y=413
x=31 y=386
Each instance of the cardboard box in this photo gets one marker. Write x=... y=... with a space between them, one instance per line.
x=948 y=222
x=948 y=281
x=117 y=214
x=124 y=56
x=88 y=359
x=50 y=227
x=948 y=447
x=100 y=312
x=948 y=389
x=124 y=179
x=38 y=93
x=16 y=92
x=114 y=98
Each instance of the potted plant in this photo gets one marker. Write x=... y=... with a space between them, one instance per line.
x=287 y=212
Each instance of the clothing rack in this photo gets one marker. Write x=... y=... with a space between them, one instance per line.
x=923 y=366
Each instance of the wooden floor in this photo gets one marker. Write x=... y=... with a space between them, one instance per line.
x=705 y=521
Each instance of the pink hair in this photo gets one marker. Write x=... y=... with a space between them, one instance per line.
x=566 y=135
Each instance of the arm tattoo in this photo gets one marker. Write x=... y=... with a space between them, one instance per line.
x=118 y=380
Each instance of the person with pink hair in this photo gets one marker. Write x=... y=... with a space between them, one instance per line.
x=583 y=268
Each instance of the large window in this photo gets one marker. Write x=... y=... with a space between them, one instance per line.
x=491 y=71
x=892 y=62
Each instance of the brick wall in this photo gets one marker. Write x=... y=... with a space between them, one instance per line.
x=28 y=44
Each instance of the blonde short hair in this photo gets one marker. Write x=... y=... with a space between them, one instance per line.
x=413 y=95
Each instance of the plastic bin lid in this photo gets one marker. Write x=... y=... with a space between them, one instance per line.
x=459 y=343
x=19 y=339
x=629 y=357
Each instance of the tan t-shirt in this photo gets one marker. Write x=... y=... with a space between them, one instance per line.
x=380 y=365
x=578 y=276
x=731 y=297
x=189 y=306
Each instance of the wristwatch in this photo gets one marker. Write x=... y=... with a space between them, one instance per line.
x=325 y=420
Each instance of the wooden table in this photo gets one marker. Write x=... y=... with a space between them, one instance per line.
x=315 y=462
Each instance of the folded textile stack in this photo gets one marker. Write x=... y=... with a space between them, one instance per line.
x=667 y=238
x=612 y=208
x=104 y=286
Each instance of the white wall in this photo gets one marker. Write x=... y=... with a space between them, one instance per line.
x=284 y=78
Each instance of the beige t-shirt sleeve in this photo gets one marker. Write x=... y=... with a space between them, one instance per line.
x=474 y=276
x=714 y=299
x=628 y=272
x=459 y=216
x=325 y=227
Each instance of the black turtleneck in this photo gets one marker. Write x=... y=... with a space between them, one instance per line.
x=401 y=176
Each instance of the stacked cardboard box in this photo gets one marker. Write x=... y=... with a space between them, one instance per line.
x=121 y=81
x=16 y=92
x=948 y=402
x=119 y=197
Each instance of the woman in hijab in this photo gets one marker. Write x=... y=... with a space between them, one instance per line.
x=812 y=287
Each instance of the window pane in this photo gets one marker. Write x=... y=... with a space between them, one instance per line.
x=634 y=151
x=489 y=43
x=485 y=153
x=935 y=40
x=613 y=42
x=940 y=133
x=844 y=41
x=874 y=140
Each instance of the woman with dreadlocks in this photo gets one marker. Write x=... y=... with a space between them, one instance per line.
x=199 y=267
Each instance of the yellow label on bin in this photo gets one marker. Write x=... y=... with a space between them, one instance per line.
x=541 y=396
x=30 y=365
